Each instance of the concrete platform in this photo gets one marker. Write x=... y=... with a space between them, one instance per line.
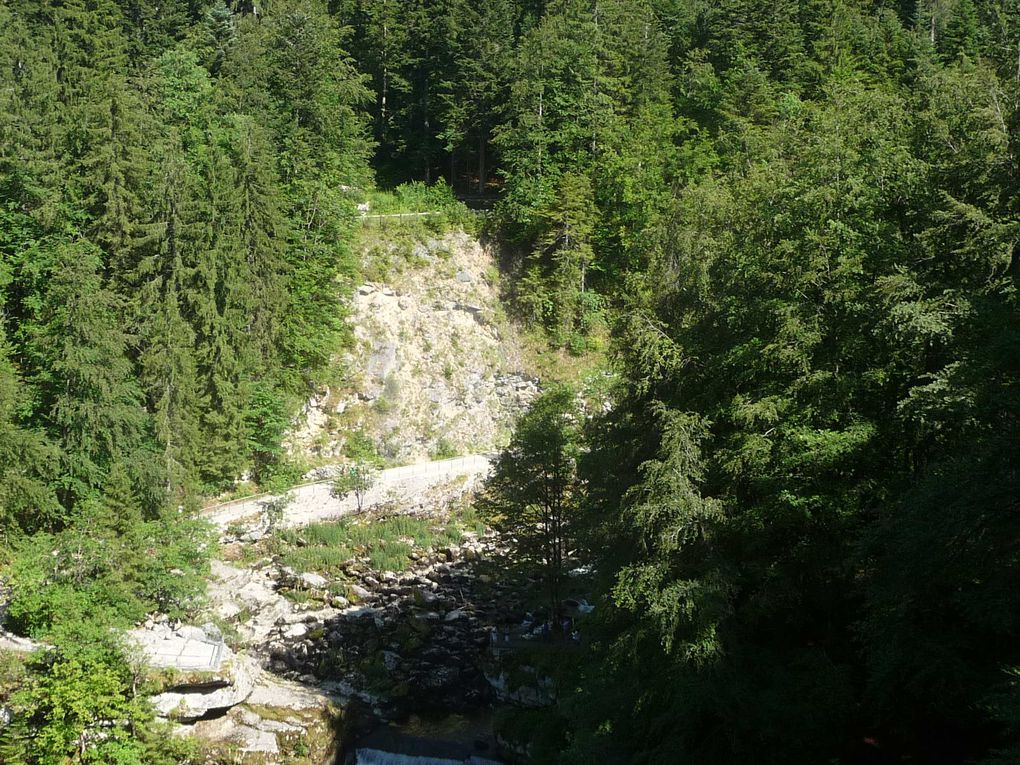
x=188 y=648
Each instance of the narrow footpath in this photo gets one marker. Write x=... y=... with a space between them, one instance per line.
x=313 y=502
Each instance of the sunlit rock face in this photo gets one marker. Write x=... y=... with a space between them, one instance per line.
x=436 y=368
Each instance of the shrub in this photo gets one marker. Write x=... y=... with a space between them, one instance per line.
x=79 y=703
x=360 y=448
x=355 y=479
x=444 y=450
x=59 y=579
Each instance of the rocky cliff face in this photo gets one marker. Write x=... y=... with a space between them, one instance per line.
x=436 y=369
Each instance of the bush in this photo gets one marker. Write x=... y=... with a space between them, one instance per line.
x=79 y=702
x=360 y=448
x=282 y=474
x=444 y=450
x=170 y=570
x=417 y=197
x=355 y=479
x=65 y=578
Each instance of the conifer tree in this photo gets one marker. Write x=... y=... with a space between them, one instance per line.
x=564 y=253
x=28 y=463
x=121 y=506
x=220 y=30
x=114 y=168
x=474 y=90
x=554 y=109
x=167 y=363
x=92 y=404
x=321 y=126
x=533 y=493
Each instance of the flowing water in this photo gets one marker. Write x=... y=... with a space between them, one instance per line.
x=376 y=757
x=447 y=740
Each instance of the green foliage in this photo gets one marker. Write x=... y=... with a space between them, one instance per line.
x=27 y=461
x=818 y=417
x=798 y=220
x=412 y=198
x=87 y=571
x=361 y=449
x=80 y=703
x=387 y=542
x=444 y=450
x=275 y=509
x=173 y=241
x=356 y=479
x=533 y=494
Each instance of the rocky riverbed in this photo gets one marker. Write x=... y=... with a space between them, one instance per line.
x=356 y=644
x=413 y=641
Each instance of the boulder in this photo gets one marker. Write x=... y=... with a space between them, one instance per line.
x=237 y=733
x=9 y=642
x=203 y=693
x=360 y=592
x=313 y=581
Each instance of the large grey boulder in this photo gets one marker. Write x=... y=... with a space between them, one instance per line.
x=198 y=695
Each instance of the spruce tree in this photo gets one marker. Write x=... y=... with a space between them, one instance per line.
x=92 y=405
x=28 y=464
x=167 y=340
x=474 y=90
x=533 y=494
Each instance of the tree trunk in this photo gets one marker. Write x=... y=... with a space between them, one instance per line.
x=481 y=163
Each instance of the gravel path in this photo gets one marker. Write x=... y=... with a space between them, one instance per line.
x=313 y=503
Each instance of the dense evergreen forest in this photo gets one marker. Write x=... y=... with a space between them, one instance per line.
x=795 y=222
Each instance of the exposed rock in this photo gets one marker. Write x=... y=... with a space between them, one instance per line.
x=9 y=642
x=264 y=729
x=439 y=369
x=360 y=592
x=194 y=698
x=313 y=581
x=536 y=694
x=278 y=693
x=382 y=361
x=427 y=630
x=230 y=730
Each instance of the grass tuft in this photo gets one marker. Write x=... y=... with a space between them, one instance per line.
x=388 y=543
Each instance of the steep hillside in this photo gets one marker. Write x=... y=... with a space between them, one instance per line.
x=436 y=369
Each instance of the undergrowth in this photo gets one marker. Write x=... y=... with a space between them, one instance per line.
x=386 y=542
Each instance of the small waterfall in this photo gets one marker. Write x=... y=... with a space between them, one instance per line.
x=449 y=739
x=379 y=757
